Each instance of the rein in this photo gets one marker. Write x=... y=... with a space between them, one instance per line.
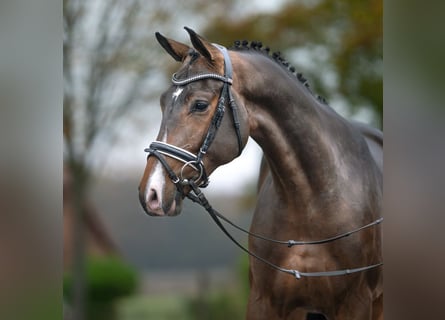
x=200 y=198
x=160 y=150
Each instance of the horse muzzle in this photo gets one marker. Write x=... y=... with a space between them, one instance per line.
x=157 y=195
x=156 y=205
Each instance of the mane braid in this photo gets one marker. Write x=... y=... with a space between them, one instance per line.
x=257 y=46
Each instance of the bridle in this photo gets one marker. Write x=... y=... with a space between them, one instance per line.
x=160 y=150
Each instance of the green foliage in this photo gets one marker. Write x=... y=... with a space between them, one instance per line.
x=107 y=279
x=221 y=305
x=351 y=32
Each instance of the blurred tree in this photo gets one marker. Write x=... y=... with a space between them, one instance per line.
x=111 y=67
x=343 y=36
x=106 y=65
x=104 y=69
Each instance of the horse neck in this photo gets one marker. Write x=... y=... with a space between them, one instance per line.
x=298 y=134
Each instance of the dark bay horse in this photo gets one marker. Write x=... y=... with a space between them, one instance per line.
x=321 y=175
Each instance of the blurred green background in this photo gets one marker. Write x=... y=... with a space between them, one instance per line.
x=120 y=263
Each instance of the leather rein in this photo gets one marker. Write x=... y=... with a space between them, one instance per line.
x=160 y=150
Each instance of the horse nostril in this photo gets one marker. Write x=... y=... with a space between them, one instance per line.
x=155 y=195
x=153 y=201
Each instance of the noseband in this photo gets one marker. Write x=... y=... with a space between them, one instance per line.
x=160 y=150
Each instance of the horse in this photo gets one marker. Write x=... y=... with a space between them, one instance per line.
x=320 y=175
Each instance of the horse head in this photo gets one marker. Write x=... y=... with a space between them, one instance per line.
x=194 y=137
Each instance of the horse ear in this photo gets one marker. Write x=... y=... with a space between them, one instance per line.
x=176 y=49
x=203 y=46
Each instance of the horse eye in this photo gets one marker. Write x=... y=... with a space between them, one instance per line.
x=200 y=106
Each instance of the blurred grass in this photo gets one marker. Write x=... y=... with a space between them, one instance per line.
x=160 y=307
x=219 y=303
x=214 y=306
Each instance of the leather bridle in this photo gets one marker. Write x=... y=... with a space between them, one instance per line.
x=160 y=150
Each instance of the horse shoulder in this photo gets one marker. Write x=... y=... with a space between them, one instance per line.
x=374 y=140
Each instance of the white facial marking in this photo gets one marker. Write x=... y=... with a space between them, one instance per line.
x=177 y=92
x=156 y=180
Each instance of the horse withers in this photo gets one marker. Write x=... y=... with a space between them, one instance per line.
x=321 y=176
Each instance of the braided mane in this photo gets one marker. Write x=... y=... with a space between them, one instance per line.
x=257 y=46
